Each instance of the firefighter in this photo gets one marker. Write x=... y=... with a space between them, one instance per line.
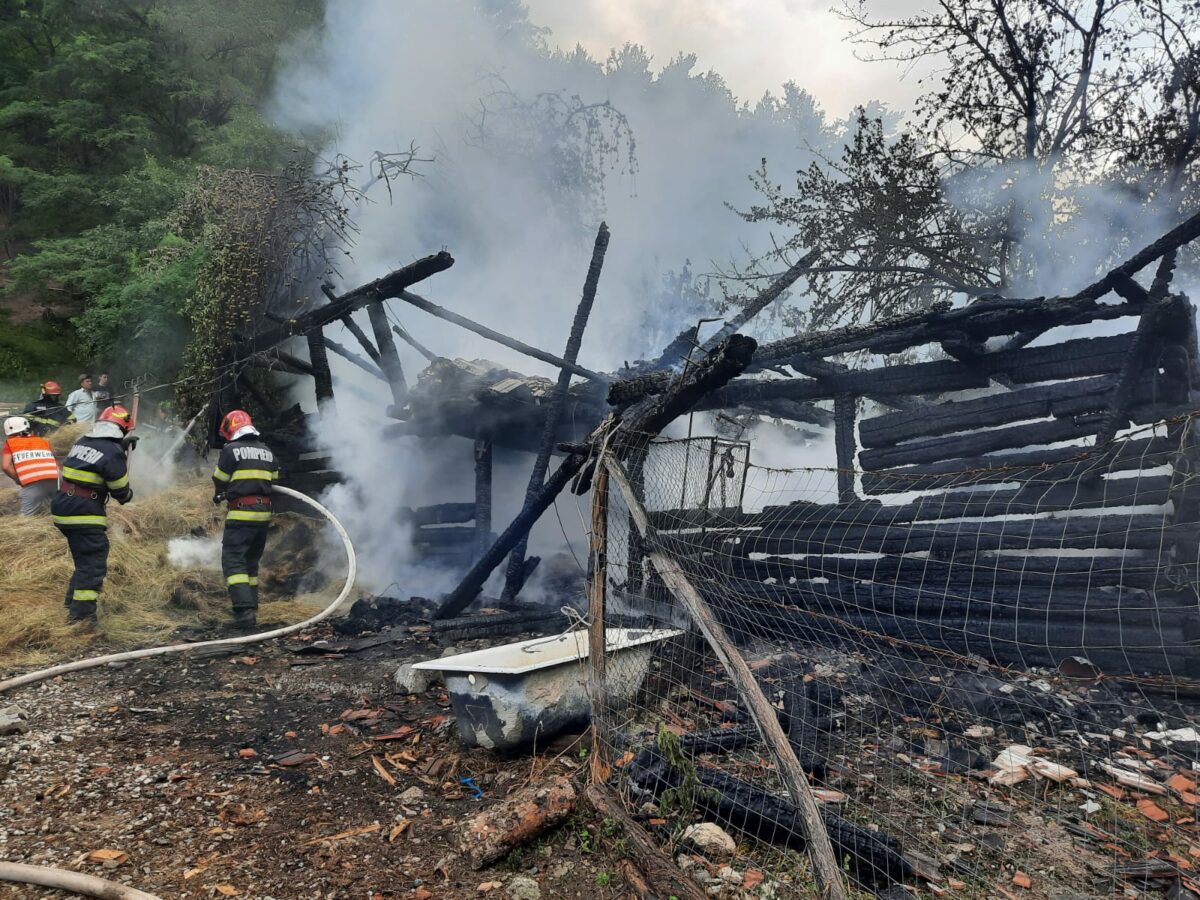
x=245 y=473
x=95 y=468
x=29 y=461
x=47 y=412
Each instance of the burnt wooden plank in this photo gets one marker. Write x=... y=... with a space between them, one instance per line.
x=1048 y=464
x=1060 y=398
x=1035 y=496
x=974 y=443
x=1133 y=532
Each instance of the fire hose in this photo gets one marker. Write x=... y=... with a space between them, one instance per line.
x=89 y=885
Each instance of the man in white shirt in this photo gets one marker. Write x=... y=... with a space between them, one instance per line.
x=82 y=403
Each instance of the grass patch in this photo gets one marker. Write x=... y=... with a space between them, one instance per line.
x=145 y=598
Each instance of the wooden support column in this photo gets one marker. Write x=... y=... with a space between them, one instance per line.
x=597 y=635
x=483 y=494
x=845 y=407
x=389 y=358
x=826 y=872
x=518 y=570
x=319 y=360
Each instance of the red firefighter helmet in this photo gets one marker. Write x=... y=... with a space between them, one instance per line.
x=118 y=415
x=234 y=421
x=51 y=389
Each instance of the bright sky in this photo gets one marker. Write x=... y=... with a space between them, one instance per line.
x=757 y=45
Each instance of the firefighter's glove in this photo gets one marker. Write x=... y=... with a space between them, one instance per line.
x=218 y=497
x=129 y=442
x=128 y=497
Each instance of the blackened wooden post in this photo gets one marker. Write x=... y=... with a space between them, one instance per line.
x=844 y=408
x=597 y=634
x=517 y=570
x=319 y=359
x=389 y=358
x=483 y=494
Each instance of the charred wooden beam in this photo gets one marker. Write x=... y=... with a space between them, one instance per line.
x=845 y=410
x=389 y=358
x=353 y=358
x=1131 y=531
x=793 y=411
x=414 y=343
x=388 y=286
x=438 y=514
x=445 y=536
x=1063 y=398
x=352 y=327
x=319 y=360
x=492 y=335
x=974 y=443
x=1052 y=463
x=466 y=591
x=1041 y=572
x=763 y=299
x=517 y=573
x=1034 y=496
x=642 y=421
x=483 y=493
x=1146 y=338
x=1072 y=359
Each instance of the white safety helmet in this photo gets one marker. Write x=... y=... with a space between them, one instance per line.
x=16 y=425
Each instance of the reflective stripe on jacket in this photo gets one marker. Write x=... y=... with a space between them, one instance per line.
x=246 y=469
x=33 y=459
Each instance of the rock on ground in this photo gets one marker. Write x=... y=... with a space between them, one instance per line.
x=710 y=840
x=524 y=888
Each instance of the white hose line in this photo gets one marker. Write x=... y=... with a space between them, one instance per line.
x=146 y=653
x=76 y=882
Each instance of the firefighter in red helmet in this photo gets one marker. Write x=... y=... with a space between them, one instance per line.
x=243 y=478
x=95 y=469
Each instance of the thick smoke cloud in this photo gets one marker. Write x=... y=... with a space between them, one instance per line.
x=509 y=193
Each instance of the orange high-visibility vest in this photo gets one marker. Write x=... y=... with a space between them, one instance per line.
x=33 y=459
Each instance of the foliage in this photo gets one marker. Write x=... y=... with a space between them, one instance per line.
x=107 y=111
x=1055 y=137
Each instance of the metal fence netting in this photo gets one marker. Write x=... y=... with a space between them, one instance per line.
x=987 y=676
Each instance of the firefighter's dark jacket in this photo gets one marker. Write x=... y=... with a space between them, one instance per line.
x=46 y=415
x=246 y=470
x=95 y=468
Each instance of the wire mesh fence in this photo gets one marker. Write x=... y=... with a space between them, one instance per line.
x=989 y=675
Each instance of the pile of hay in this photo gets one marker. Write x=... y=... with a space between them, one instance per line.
x=145 y=598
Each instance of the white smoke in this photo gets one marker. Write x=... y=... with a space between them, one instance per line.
x=504 y=198
x=195 y=553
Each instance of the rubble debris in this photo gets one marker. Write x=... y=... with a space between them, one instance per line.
x=712 y=841
x=517 y=819
x=414 y=681
x=13 y=720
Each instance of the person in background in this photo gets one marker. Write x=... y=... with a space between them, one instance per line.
x=47 y=412
x=96 y=467
x=244 y=477
x=82 y=403
x=28 y=460
x=103 y=392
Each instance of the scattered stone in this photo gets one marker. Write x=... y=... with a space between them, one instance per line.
x=522 y=887
x=411 y=796
x=711 y=840
x=13 y=720
x=414 y=681
x=730 y=875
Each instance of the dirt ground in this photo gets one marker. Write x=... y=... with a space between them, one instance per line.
x=269 y=774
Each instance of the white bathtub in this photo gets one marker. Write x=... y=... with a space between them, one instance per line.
x=517 y=695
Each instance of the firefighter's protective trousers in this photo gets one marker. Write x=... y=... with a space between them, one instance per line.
x=242 y=548
x=89 y=550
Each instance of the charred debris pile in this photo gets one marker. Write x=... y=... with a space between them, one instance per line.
x=981 y=440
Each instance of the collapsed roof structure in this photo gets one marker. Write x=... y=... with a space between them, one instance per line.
x=983 y=476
